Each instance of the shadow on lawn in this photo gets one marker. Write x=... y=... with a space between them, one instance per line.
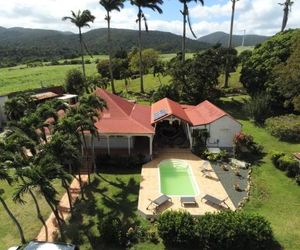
x=116 y=197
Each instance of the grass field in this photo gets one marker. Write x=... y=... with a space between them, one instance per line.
x=26 y=215
x=273 y=194
x=22 y=78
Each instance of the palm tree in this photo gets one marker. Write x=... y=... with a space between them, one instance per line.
x=140 y=4
x=18 y=106
x=39 y=177
x=69 y=125
x=62 y=147
x=6 y=177
x=91 y=106
x=81 y=20
x=287 y=8
x=186 y=18
x=13 y=155
x=229 y=43
x=110 y=5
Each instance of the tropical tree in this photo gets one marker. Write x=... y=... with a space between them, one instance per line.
x=69 y=125
x=286 y=10
x=89 y=104
x=81 y=20
x=110 y=5
x=62 y=148
x=18 y=106
x=229 y=43
x=186 y=19
x=39 y=177
x=13 y=155
x=4 y=175
x=140 y=4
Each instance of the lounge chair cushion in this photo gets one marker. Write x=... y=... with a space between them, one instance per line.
x=188 y=200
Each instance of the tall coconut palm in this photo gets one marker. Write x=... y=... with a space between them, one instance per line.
x=286 y=9
x=110 y=5
x=13 y=155
x=229 y=43
x=92 y=106
x=62 y=147
x=186 y=19
x=6 y=177
x=69 y=125
x=140 y=4
x=81 y=20
x=39 y=177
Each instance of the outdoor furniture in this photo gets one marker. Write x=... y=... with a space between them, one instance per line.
x=204 y=167
x=215 y=200
x=239 y=164
x=159 y=201
x=188 y=201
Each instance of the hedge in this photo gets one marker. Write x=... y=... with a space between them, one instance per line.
x=286 y=163
x=224 y=230
x=286 y=128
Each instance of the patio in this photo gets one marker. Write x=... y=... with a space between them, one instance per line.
x=149 y=186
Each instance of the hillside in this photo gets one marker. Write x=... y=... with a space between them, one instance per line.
x=19 y=45
x=237 y=40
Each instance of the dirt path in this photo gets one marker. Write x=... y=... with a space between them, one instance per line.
x=64 y=210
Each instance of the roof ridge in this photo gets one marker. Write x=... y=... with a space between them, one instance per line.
x=110 y=97
x=128 y=115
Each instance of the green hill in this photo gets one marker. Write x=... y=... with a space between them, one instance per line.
x=20 y=45
x=237 y=40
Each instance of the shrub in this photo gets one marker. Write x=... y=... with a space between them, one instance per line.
x=111 y=230
x=224 y=230
x=176 y=228
x=233 y=230
x=134 y=161
x=258 y=107
x=286 y=128
x=169 y=91
x=245 y=144
x=222 y=156
x=298 y=179
x=275 y=156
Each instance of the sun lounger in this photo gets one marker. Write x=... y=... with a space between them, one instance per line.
x=159 y=201
x=215 y=200
x=205 y=167
x=188 y=201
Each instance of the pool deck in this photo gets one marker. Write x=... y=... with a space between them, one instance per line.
x=149 y=186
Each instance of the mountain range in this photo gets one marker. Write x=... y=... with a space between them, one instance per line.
x=21 y=45
x=237 y=40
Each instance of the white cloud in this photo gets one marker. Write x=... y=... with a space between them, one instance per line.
x=256 y=16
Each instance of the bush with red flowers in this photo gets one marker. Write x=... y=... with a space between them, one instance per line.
x=245 y=145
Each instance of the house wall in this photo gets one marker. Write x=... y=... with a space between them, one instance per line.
x=114 y=142
x=222 y=132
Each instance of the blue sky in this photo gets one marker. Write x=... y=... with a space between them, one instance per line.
x=255 y=16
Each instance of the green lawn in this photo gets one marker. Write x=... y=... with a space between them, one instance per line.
x=21 y=78
x=26 y=215
x=273 y=194
x=113 y=192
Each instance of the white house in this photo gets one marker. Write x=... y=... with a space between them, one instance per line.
x=128 y=126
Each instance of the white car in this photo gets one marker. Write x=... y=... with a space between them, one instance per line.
x=40 y=245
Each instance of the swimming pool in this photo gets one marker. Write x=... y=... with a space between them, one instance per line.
x=176 y=178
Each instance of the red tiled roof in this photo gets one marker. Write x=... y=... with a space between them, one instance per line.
x=169 y=108
x=204 y=113
x=122 y=116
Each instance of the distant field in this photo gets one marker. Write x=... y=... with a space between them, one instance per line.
x=22 y=78
x=240 y=49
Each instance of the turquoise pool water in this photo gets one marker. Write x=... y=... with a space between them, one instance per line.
x=176 y=178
